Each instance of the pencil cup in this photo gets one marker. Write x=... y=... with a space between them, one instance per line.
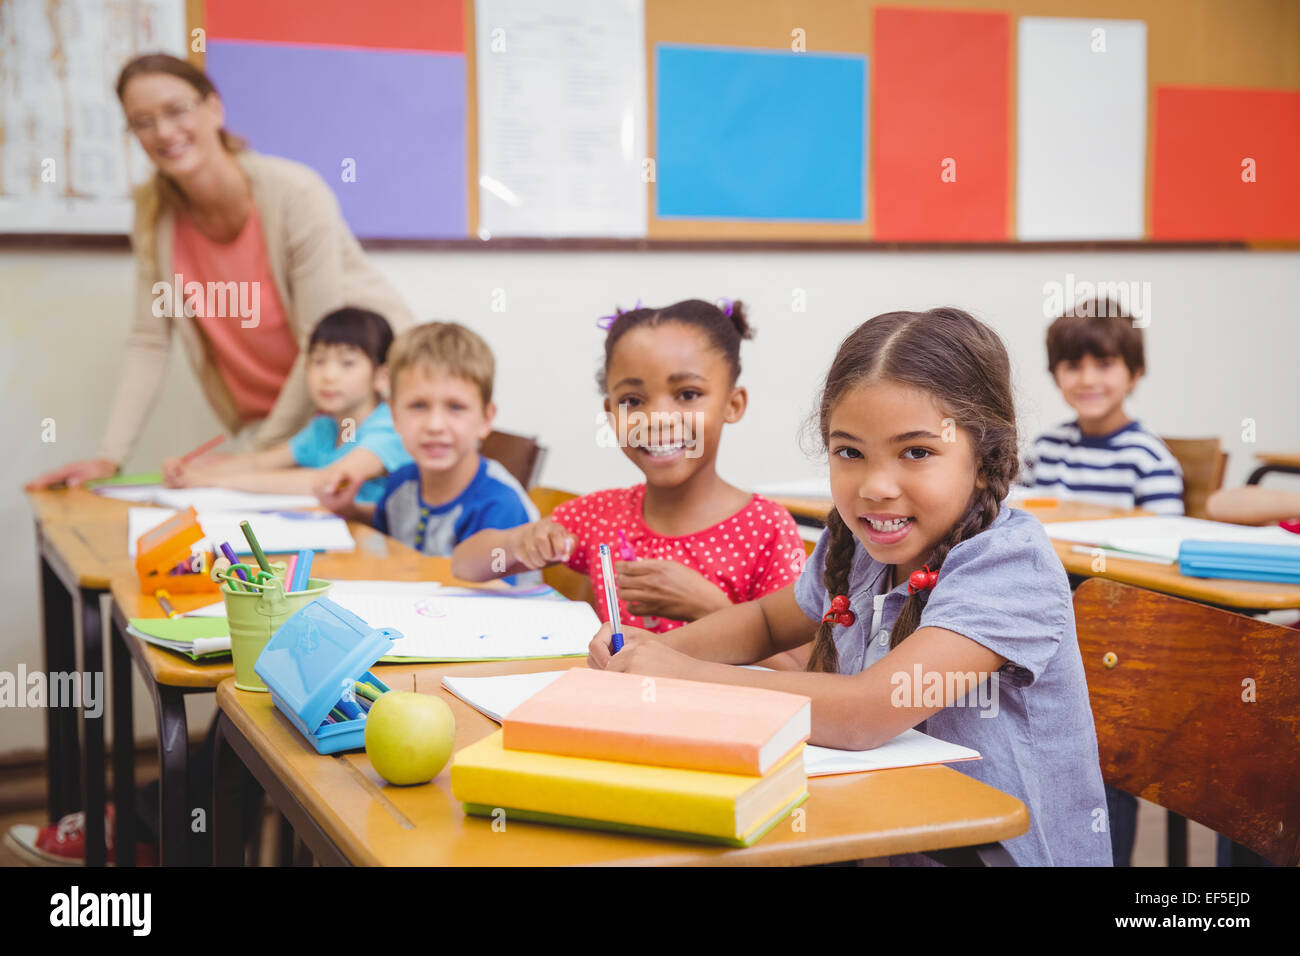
x=255 y=616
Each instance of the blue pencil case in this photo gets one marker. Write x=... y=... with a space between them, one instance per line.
x=1278 y=563
x=313 y=660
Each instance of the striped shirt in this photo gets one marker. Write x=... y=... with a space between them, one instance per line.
x=1129 y=468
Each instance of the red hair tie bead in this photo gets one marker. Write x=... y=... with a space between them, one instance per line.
x=922 y=580
x=839 y=612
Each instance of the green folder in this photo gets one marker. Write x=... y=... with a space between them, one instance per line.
x=178 y=634
x=143 y=478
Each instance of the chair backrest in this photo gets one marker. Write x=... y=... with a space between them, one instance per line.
x=1197 y=712
x=1203 y=464
x=574 y=586
x=521 y=456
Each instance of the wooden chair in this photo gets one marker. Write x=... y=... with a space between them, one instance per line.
x=1197 y=713
x=574 y=586
x=521 y=456
x=1203 y=464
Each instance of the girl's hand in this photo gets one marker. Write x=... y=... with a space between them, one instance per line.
x=667 y=589
x=541 y=543
x=601 y=648
x=655 y=659
x=74 y=474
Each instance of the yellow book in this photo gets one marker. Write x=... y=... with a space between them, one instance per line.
x=722 y=805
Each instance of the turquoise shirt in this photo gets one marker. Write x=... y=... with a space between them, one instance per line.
x=318 y=446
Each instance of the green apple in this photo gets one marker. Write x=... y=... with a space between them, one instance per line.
x=409 y=737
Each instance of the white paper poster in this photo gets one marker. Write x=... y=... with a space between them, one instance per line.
x=67 y=163
x=1082 y=129
x=561 y=118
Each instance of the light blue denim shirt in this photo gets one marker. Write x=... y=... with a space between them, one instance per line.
x=1004 y=588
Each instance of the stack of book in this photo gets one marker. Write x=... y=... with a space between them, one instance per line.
x=653 y=756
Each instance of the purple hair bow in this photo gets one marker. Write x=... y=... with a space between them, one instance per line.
x=727 y=310
x=605 y=321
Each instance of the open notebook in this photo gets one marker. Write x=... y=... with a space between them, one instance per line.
x=206 y=499
x=497 y=696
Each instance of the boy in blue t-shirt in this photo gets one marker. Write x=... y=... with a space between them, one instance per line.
x=345 y=452
x=441 y=376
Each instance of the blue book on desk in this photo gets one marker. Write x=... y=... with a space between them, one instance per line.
x=1278 y=563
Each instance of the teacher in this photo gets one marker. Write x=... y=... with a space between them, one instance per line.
x=241 y=254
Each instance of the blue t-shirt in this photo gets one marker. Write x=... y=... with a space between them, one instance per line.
x=493 y=499
x=318 y=446
x=1006 y=589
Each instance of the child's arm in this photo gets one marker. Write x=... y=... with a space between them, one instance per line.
x=336 y=486
x=497 y=553
x=1253 y=505
x=850 y=712
x=209 y=469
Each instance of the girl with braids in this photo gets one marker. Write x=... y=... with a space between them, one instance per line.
x=690 y=542
x=935 y=606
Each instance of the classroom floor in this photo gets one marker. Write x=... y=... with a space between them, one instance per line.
x=1150 y=849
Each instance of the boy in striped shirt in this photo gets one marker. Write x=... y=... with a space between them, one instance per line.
x=1096 y=358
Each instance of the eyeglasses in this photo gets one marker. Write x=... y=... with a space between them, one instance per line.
x=175 y=112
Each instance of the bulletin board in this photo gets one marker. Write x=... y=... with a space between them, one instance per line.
x=1214 y=72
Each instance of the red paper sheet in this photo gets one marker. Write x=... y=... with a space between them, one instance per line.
x=426 y=25
x=1202 y=138
x=940 y=91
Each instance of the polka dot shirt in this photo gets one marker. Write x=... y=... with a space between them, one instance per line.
x=754 y=552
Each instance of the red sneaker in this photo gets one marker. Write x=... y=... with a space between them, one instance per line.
x=64 y=843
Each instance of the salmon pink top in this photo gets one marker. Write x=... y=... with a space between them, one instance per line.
x=754 y=552
x=250 y=340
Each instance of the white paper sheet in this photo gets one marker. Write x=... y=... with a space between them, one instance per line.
x=452 y=627
x=561 y=117
x=276 y=533
x=497 y=696
x=1081 y=119
x=206 y=499
x=1161 y=535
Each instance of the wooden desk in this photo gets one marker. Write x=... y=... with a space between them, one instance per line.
x=1247 y=597
x=1287 y=464
x=171 y=677
x=81 y=548
x=347 y=814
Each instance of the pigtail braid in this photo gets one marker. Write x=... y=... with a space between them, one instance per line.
x=983 y=508
x=839 y=561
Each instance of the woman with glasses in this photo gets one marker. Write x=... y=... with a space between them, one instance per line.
x=238 y=254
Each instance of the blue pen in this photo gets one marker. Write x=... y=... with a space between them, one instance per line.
x=611 y=598
x=302 y=571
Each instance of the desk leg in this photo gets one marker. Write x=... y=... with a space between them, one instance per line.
x=123 y=748
x=173 y=782
x=230 y=782
x=1176 y=835
x=92 y=731
x=63 y=761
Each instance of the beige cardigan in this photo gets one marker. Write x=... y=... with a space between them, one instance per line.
x=317 y=264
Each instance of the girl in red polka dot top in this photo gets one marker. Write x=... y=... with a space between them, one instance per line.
x=686 y=543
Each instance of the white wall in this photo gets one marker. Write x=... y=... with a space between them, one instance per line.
x=1221 y=347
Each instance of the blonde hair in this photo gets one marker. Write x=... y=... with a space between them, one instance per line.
x=443 y=346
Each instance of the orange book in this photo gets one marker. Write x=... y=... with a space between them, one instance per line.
x=605 y=715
